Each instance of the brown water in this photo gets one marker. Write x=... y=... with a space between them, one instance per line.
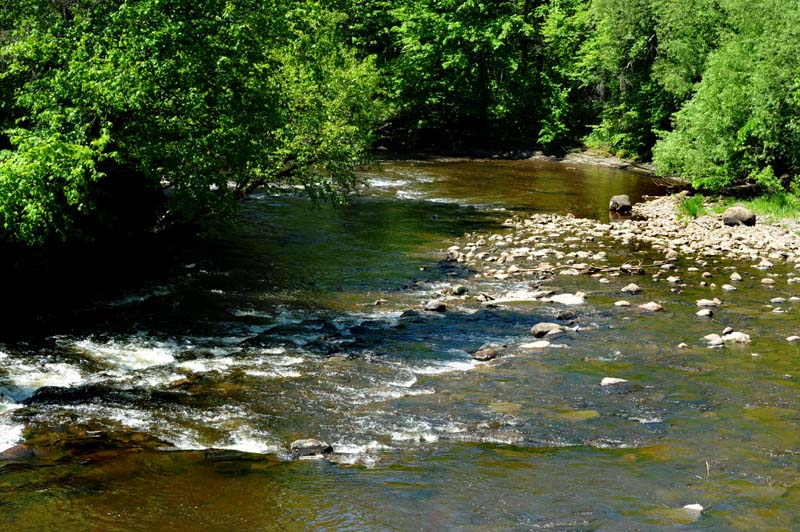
x=171 y=406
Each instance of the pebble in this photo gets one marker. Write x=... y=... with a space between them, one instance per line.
x=542 y=329
x=736 y=277
x=622 y=303
x=631 y=289
x=652 y=306
x=713 y=339
x=708 y=302
x=309 y=448
x=793 y=339
x=767 y=281
x=736 y=337
x=435 y=305
x=729 y=288
x=704 y=313
x=610 y=381
x=541 y=344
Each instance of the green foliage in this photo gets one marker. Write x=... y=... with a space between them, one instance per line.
x=206 y=99
x=774 y=207
x=692 y=207
x=742 y=123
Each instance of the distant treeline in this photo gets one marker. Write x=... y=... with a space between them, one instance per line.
x=127 y=114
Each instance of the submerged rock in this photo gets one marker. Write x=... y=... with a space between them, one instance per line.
x=309 y=448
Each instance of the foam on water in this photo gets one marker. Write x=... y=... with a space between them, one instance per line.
x=25 y=378
x=447 y=367
x=10 y=432
x=129 y=356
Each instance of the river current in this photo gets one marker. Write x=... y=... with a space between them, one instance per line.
x=171 y=404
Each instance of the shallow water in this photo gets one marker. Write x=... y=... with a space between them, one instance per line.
x=171 y=405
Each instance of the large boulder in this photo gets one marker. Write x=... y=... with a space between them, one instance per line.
x=620 y=203
x=738 y=215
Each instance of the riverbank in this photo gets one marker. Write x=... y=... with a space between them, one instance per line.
x=656 y=239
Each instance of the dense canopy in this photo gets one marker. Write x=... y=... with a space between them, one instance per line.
x=125 y=114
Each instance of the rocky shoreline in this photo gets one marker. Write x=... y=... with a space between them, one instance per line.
x=523 y=262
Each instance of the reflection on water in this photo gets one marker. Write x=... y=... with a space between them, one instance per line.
x=172 y=405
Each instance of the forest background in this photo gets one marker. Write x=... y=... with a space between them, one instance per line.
x=122 y=116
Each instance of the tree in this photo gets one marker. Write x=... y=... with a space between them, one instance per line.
x=741 y=126
x=208 y=100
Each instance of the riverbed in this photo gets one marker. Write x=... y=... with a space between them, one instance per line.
x=171 y=404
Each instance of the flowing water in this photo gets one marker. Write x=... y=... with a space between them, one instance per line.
x=170 y=405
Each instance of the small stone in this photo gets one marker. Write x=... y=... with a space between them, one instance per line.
x=736 y=337
x=485 y=354
x=767 y=281
x=622 y=303
x=793 y=339
x=683 y=345
x=713 y=339
x=706 y=275
x=309 y=448
x=611 y=381
x=541 y=329
x=707 y=303
x=568 y=299
x=631 y=289
x=729 y=288
x=736 y=277
x=705 y=313
x=778 y=300
x=727 y=330
x=652 y=306
x=434 y=305
x=541 y=344
x=673 y=279
x=694 y=507
x=459 y=290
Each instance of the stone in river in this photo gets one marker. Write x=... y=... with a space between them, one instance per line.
x=611 y=381
x=729 y=288
x=541 y=344
x=541 y=329
x=619 y=203
x=652 y=306
x=767 y=281
x=713 y=339
x=704 y=313
x=702 y=303
x=485 y=354
x=736 y=337
x=727 y=330
x=631 y=289
x=569 y=299
x=434 y=305
x=622 y=303
x=309 y=448
x=793 y=339
x=736 y=277
x=459 y=290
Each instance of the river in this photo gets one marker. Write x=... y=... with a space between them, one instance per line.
x=171 y=404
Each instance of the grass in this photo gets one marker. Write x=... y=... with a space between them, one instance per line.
x=772 y=207
x=693 y=206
